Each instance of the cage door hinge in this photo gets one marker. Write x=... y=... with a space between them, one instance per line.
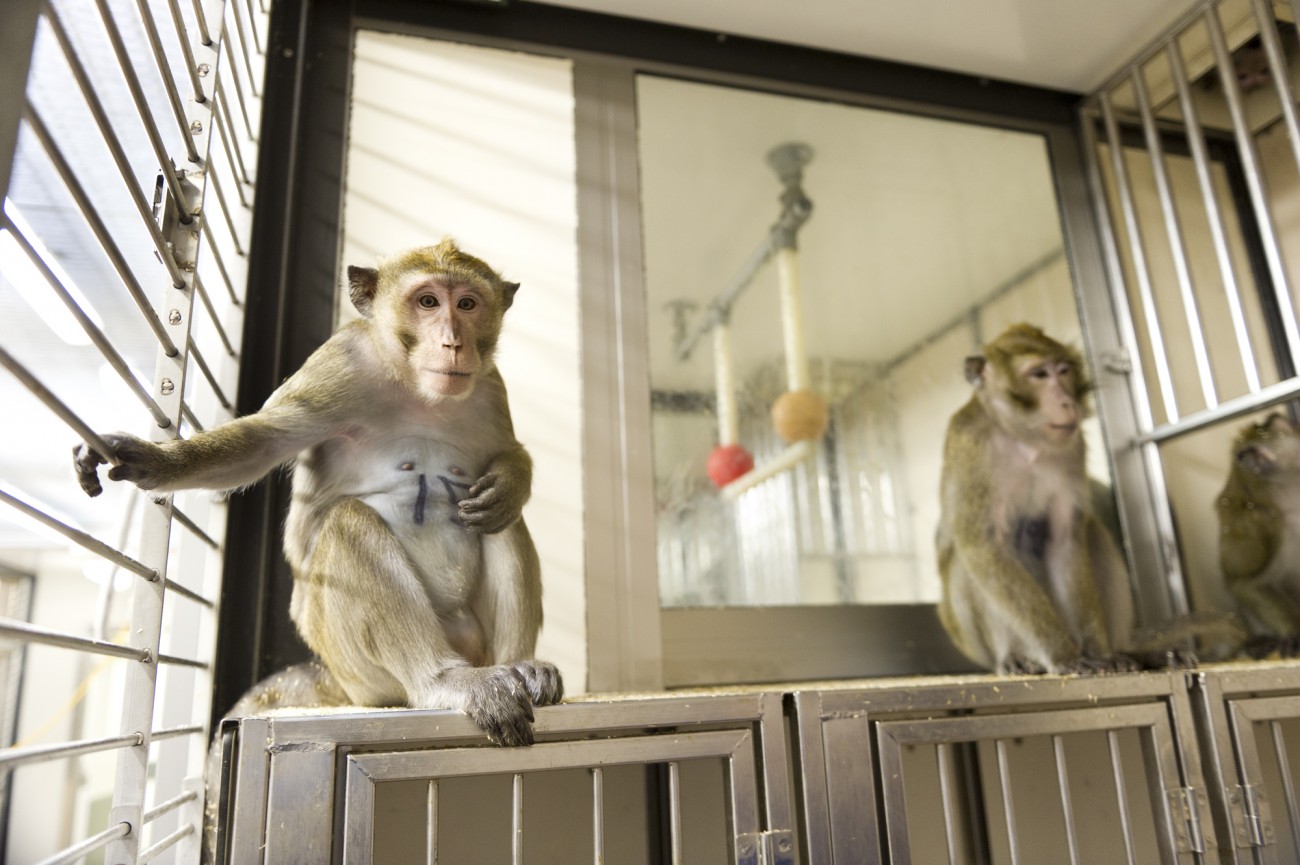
x=1117 y=361
x=1252 y=824
x=773 y=847
x=1186 y=805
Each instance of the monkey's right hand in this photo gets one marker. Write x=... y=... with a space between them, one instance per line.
x=138 y=461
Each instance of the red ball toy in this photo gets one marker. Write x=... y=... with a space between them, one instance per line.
x=728 y=462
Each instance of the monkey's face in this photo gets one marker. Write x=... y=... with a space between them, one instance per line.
x=447 y=329
x=1044 y=399
x=1268 y=447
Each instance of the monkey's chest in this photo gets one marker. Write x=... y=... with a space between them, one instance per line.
x=416 y=487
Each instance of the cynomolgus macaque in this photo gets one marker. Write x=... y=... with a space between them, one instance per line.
x=415 y=580
x=1032 y=582
x=1259 y=532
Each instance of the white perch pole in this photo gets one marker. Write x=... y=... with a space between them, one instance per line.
x=724 y=376
x=786 y=459
x=796 y=356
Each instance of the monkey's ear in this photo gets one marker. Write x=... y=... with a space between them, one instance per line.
x=974 y=369
x=508 y=290
x=363 y=282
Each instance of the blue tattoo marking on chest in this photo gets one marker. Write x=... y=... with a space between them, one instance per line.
x=455 y=492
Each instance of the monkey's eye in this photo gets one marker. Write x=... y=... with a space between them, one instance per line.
x=466 y=303
x=1039 y=372
x=428 y=301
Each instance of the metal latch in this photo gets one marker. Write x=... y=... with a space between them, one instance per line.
x=774 y=847
x=1252 y=824
x=1186 y=804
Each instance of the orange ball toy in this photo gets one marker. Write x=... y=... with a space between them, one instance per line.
x=728 y=462
x=800 y=415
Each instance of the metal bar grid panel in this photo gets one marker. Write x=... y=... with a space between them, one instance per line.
x=1249 y=722
x=319 y=779
x=108 y=236
x=1068 y=770
x=1185 y=162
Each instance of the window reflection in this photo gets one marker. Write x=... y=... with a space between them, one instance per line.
x=926 y=238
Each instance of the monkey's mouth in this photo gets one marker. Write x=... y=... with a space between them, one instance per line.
x=1064 y=429
x=451 y=372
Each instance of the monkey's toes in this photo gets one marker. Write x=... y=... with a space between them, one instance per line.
x=542 y=680
x=501 y=707
x=85 y=462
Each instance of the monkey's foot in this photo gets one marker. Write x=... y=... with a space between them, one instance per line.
x=1181 y=659
x=496 y=699
x=542 y=680
x=1018 y=665
x=1262 y=646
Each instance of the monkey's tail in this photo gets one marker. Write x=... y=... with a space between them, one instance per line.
x=1212 y=635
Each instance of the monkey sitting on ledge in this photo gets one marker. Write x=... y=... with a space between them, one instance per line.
x=1259 y=533
x=1032 y=581
x=415 y=580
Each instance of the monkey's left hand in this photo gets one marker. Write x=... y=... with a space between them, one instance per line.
x=138 y=461
x=494 y=502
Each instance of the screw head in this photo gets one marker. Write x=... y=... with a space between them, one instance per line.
x=196 y=128
x=174 y=316
x=167 y=386
x=203 y=70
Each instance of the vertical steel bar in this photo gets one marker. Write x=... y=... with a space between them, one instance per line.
x=214 y=250
x=1281 y=73
x=225 y=212
x=1213 y=215
x=165 y=76
x=598 y=816
x=222 y=334
x=675 y=813
x=1177 y=245
x=1121 y=795
x=200 y=17
x=236 y=165
x=242 y=41
x=431 y=824
x=1067 y=806
x=517 y=821
x=239 y=89
x=951 y=801
x=1288 y=781
x=191 y=65
x=141 y=102
x=1254 y=177
x=252 y=25
x=1008 y=809
x=227 y=121
x=1137 y=250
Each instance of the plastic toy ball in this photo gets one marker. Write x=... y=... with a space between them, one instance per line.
x=800 y=415
x=728 y=462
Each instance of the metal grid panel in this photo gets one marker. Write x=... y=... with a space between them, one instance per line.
x=316 y=777
x=1197 y=269
x=131 y=116
x=1045 y=769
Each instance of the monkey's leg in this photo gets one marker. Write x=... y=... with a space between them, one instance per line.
x=1275 y=611
x=1084 y=599
x=365 y=612
x=1015 y=614
x=509 y=604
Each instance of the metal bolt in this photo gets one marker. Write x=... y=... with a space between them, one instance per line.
x=196 y=128
x=204 y=69
x=174 y=316
x=784 y=845
x=167 y=386
x=187 y=266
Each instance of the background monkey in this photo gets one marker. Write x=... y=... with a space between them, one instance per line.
x=1259 y=532
x=415 y=580
x=1032 y=582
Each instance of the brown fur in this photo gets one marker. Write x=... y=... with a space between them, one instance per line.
x=1259 y=531
x=1032 y=581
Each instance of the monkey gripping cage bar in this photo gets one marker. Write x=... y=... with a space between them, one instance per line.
x=133 y=154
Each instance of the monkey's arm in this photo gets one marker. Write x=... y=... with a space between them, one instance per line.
x=232 y=455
